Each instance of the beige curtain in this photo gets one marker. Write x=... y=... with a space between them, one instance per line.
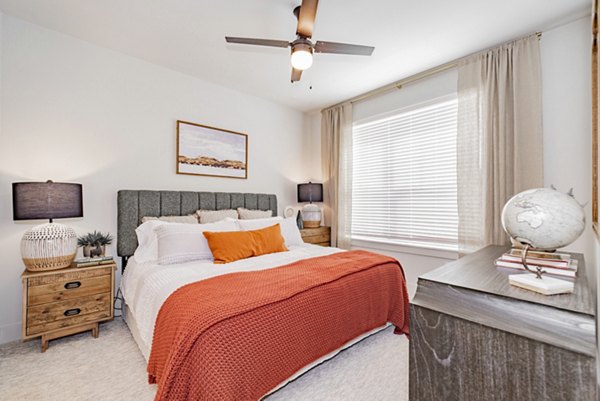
x=499 y=137
x=336 y=156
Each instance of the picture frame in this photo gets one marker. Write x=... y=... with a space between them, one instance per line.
x=209 y=151
x=595 y=105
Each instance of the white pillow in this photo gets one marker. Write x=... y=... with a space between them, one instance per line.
x=212 y=216
x=257 y=224
x=289 y=228
x=189 y=219
x=247 y=214
x=147 y=250
x=179 y=243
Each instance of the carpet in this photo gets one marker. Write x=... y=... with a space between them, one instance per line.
x=111 y=367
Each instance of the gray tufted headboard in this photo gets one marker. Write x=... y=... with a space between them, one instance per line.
x=132 y=205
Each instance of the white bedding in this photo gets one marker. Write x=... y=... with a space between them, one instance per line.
x=145 y=286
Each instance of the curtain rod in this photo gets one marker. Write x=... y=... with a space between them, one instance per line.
x=424 y=74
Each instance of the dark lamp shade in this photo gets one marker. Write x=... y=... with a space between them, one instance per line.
x=46 y=200
x=310 y=192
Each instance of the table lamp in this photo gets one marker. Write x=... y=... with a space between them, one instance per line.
x=47 y=246
x=311 y=214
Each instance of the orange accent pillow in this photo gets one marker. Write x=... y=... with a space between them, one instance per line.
x=229 y=246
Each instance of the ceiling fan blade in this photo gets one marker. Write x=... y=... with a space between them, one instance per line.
x=296 y=74
x=343 y=48
x=306 y=19
x=257 y=42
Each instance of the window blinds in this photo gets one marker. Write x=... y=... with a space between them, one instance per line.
x=404 y=177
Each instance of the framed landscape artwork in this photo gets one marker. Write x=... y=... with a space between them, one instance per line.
x=204 y=150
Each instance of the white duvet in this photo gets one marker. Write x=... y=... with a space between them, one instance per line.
x=145 y=286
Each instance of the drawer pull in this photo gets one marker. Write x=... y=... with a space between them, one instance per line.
x=72 y=312
x=73 y=284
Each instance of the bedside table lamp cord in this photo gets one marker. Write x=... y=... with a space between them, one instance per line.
x=119 y=299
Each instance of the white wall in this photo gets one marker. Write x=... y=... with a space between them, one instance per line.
x=567 y=94
x=420 y=91
x=565 y=59
x=81 y=113
x=312 y=143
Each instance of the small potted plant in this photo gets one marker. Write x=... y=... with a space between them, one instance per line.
x=94 y=243
x=86 y=242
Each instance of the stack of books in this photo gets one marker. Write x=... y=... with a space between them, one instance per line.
x=556 y=264
x=87 y=262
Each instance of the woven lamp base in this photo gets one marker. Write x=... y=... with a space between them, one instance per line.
x=48 y=246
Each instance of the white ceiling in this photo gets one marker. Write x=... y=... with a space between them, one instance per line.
x=188 y=36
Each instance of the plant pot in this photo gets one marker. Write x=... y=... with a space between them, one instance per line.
x=86 y=250
x=97 y=251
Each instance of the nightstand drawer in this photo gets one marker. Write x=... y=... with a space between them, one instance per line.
x=71 y=275
x=67 y=313
x=68 y=288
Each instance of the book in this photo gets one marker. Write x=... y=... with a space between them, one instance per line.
x=553 y=259
x=92 y=263
x=570 y=272
x=96 y=259
x=536 y=262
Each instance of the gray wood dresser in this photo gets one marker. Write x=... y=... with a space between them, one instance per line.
x=476 y=337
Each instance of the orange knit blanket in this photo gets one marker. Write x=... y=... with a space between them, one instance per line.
x=237 y=336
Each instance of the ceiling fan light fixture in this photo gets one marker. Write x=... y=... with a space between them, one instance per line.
x=302 y=48
x=302 y=57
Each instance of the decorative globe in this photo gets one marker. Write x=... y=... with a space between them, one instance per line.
x=544 y=218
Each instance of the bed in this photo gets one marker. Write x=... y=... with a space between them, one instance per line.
x=146 y=287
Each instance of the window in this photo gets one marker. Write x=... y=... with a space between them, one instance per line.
x=404 y=176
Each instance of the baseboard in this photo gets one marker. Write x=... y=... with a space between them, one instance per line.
x=10 y=332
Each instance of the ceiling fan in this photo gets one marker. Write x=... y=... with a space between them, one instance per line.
x=302 y=47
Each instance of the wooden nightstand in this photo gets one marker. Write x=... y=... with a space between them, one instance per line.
x=318 y=236
x=62 y=302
